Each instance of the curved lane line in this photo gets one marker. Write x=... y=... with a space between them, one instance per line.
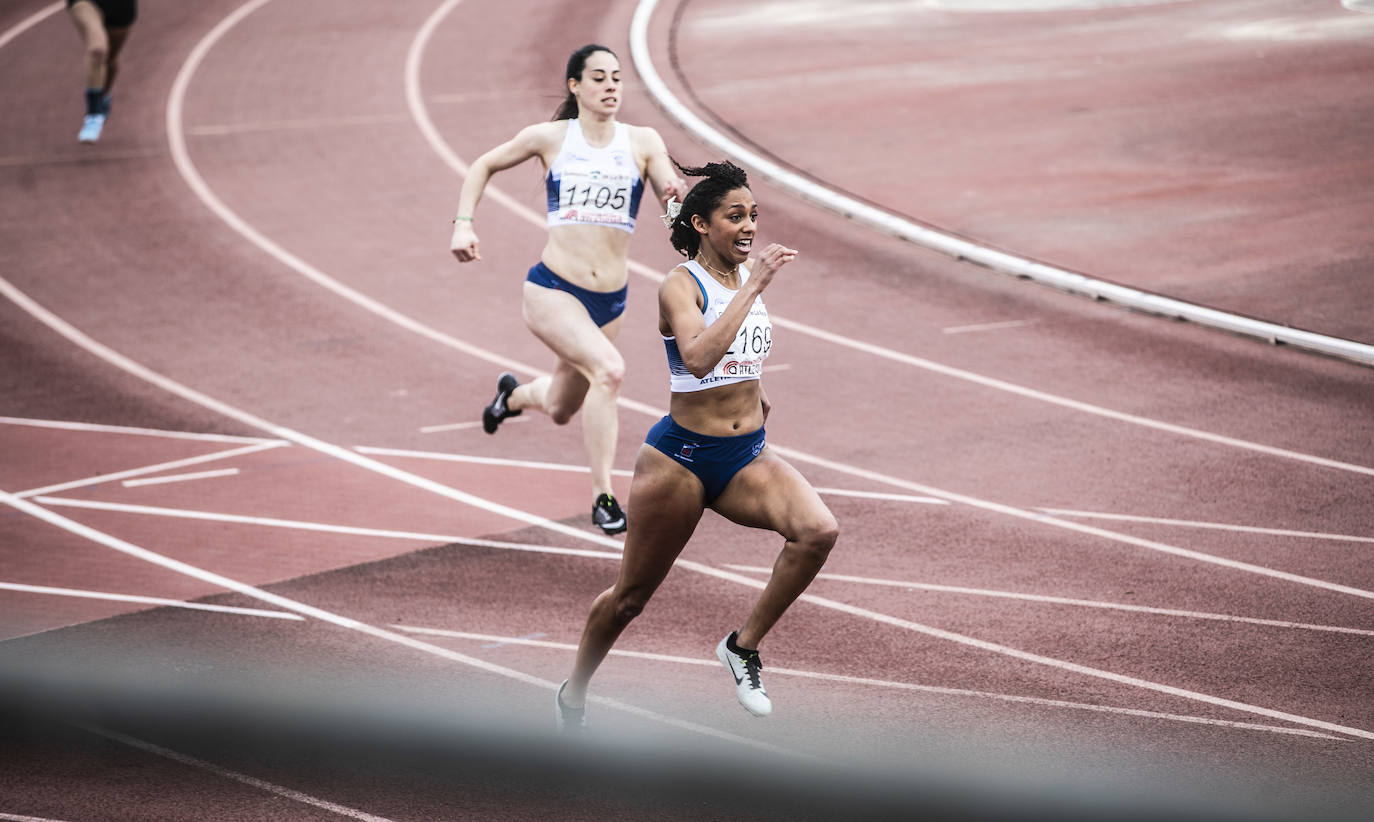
x=29 y=22
x=109 y=355
x=999 y=261
x=437 y=142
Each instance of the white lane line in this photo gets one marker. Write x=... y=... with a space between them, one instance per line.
x=194 y=572
x=505 y=463
x=140 y=432
x=321 y=527
x=879 y=495
x=11 y=817
x=1084 y=603
x=619 y=472
x=436 y=141
x=171 y=386
x=497 y=641
x=1217 y=526
x=968 y=329
x=958 y=248
x=142 y=600
x=152 y=469
x=198 y=475
x=463 y=426
x=252 y=781
x=29 y=22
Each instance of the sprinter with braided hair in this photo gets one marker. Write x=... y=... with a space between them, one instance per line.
x=709 y=452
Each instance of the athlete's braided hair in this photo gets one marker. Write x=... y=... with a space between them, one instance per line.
x=720 y=179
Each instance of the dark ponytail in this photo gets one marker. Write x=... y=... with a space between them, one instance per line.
x=576 y=63
x=721 y=179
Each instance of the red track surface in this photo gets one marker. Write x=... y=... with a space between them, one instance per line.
x=1123 y=143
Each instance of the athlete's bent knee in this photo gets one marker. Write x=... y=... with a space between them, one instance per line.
x=814 y=540
x=626 y=607
x=609 y=375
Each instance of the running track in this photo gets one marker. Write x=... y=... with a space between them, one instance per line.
x=1079 y=545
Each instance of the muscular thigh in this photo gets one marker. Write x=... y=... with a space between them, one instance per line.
x=664 y=508
x=89 y=20
x=770 y=493
x=562 y=323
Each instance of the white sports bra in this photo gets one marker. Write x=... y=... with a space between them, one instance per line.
x=594 y=186
x=744 y=359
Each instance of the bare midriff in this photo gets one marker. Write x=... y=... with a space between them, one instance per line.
x=723 y=411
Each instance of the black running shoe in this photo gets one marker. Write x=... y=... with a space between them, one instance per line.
x=607 y=516
x=497 y=411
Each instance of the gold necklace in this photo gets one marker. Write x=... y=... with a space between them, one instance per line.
x=717 y=272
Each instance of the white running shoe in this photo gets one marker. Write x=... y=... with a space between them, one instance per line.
x=569 y=720
x=90 y=128
x=745 y=669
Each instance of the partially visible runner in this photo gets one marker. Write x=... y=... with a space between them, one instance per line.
x=574 y=296
x=104 y=27
x=709 y=451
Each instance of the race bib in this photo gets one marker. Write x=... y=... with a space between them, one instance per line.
x=750 y=347
x=596 y=196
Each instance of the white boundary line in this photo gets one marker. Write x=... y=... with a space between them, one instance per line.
x=140 y=432
x=436 y=141
x=619 y=472
x=321 y=527
x=1215 y=526
x=881 y=683
x=197 y=475
x=142 y=600
x=252 y=781
x=959 y=249
x=29 y=22
x=1052 y=600
x=444 y=456
x=152 y=469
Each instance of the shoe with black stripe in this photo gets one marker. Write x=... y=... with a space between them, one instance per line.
x=497 y=411
x=746 y=668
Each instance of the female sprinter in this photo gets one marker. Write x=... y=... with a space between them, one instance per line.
x=574 y=296
x=104 y=27
x=709 y=451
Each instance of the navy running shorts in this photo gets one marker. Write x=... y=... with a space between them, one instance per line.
x=715 y=460
x=118 y=14
x=602 y=306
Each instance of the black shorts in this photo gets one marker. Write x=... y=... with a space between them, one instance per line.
x=118 y=14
